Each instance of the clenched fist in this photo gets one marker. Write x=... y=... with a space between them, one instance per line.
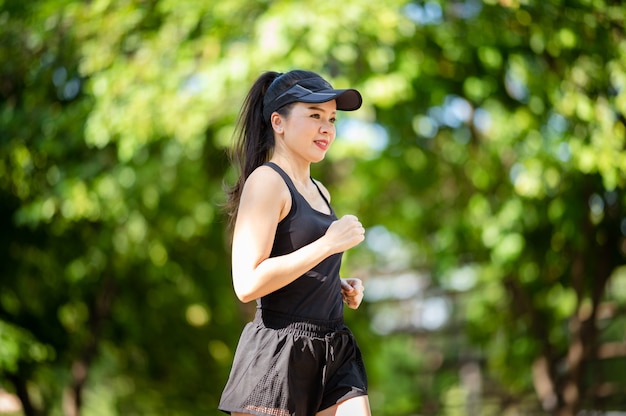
x=345 y=233
x=352 y=292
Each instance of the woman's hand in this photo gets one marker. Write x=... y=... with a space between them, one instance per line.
x=345 y=233
x=352 y=292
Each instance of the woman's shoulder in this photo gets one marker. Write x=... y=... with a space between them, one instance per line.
x=268 y=180
x=265 y=174
x=265 y=188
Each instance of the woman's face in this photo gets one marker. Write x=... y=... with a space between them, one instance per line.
x=309 y=129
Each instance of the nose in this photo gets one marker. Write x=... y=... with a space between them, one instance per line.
x=327 y=127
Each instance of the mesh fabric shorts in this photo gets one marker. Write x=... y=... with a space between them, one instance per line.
x=286 y=368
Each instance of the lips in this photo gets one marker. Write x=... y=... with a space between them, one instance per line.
x=322 y=144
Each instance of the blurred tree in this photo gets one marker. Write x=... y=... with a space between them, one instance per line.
x=111 y=245
x=491 y=143
x=509 y=159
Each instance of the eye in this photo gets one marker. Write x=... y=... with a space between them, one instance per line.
x=315 y=115
x=333 y=120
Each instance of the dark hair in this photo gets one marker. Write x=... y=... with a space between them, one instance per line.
x=254 y=136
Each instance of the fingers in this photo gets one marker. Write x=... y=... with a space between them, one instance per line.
x=353 y=302
x=345 y=286
x=356 y=224
x=345 y=233
x=352 y=292
x=353 y=226
x=352 y=283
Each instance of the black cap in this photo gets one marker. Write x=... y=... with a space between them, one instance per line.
x=311 y=90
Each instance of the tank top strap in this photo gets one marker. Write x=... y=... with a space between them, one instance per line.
x=283 y=174
x=323 y=196
x=295 y=194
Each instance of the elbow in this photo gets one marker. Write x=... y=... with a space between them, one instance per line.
x=247 y=284
x=243 y=293
x=244 y=297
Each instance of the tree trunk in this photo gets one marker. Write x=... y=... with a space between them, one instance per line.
x=22 y=393
x=73 y=395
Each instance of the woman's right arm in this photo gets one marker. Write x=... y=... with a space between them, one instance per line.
x=265 y=200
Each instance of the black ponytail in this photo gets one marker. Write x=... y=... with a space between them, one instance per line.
x=254 y=140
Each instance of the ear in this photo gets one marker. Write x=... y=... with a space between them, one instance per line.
x=277 y=122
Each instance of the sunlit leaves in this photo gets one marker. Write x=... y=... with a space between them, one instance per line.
x=492 y=135
x=384 y=90
x=617 y=288
x=19 y=345
x=101 y=26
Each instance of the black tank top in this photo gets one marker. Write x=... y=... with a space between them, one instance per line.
x=316 y=295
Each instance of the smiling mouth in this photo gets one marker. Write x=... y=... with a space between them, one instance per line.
x=322 y=144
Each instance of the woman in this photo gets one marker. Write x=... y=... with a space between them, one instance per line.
x=297 y=357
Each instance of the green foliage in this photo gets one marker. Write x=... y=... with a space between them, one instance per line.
x=492 y=138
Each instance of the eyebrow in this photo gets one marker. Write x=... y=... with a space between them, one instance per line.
x=314 y=107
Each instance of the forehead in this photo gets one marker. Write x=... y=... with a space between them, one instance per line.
x=328 y=106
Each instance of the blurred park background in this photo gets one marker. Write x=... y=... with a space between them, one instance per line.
x=488 y=164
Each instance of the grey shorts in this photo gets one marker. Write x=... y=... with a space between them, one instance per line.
x=286 y=367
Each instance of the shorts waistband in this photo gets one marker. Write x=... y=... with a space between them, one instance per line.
x=298 y=325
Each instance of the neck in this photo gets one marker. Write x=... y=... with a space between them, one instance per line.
x=298 y=172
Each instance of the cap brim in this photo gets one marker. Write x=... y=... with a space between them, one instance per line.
x=347 y=100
